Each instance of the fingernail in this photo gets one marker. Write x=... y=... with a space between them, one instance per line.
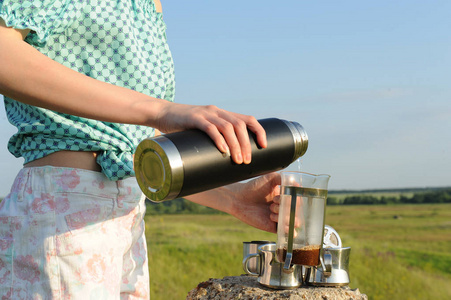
x=226 y=149
x=239 y=158
x=247 y=159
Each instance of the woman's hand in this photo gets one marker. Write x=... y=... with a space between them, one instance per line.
x=254 y=202
x=228 y=130
x=257 y=201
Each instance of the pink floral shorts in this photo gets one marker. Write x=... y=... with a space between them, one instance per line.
x=72 y=234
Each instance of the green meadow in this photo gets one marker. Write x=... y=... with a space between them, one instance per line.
x=397 y=251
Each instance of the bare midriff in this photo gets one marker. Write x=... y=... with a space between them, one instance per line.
x=69 y=159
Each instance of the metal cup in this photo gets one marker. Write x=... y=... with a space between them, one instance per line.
x=339 y=273
x=272 y=273
x=254 y=262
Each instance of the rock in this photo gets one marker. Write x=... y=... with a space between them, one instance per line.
x=246 y=288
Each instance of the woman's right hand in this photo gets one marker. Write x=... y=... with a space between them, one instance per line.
x=228 y=130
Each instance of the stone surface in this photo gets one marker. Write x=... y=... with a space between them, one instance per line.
x=246 y=288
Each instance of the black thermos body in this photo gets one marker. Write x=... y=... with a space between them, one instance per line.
x=184 y=163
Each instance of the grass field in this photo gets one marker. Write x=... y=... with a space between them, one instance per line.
x=398 y=252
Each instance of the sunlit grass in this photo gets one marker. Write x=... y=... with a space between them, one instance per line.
x=398 y=252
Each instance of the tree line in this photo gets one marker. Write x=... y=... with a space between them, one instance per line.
x=440 y=195
x=432 y=196
x=178 y=206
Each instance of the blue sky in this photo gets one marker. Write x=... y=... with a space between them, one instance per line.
x=368 y=80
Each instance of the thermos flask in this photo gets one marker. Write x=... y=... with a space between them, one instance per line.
x=184 y=163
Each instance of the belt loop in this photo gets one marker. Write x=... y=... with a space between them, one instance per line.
x=119 y=197
x=48 y=177
x=23 y=183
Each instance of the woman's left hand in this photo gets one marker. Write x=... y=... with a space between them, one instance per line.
x=255 y=202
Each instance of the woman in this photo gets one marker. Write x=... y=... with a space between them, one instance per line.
x=84 y=82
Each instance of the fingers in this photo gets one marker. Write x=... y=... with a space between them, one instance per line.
x=230 y=132
x=258 y=130
x=236 y=137
x=240 y=130
x=216 y=136
x=274 y=208
x=272 y=182
x=230 y=140
x=241 y=144
x=282 y=217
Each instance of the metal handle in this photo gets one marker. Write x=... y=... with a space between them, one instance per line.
x=331 y=238
x=326 y=264
x=289 y=255
x=246 y=262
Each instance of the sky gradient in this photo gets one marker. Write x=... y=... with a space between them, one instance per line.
x=368 y=80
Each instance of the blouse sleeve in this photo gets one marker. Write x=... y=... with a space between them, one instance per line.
x=43 y=17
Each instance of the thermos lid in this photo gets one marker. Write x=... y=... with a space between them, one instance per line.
x=159 y=168
x=300 y=138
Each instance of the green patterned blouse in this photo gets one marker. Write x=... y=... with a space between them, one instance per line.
x=121 y=42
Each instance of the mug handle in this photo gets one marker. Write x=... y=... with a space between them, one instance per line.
x=326 y=263
x=246 y=262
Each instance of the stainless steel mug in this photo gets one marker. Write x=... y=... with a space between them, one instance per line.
x=339 y=273
x=254 y=263
x=272 y=273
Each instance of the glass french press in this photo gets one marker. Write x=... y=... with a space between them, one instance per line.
x=301 y=218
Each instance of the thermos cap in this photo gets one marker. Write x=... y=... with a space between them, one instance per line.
x=159 y=168
x=300 y=138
